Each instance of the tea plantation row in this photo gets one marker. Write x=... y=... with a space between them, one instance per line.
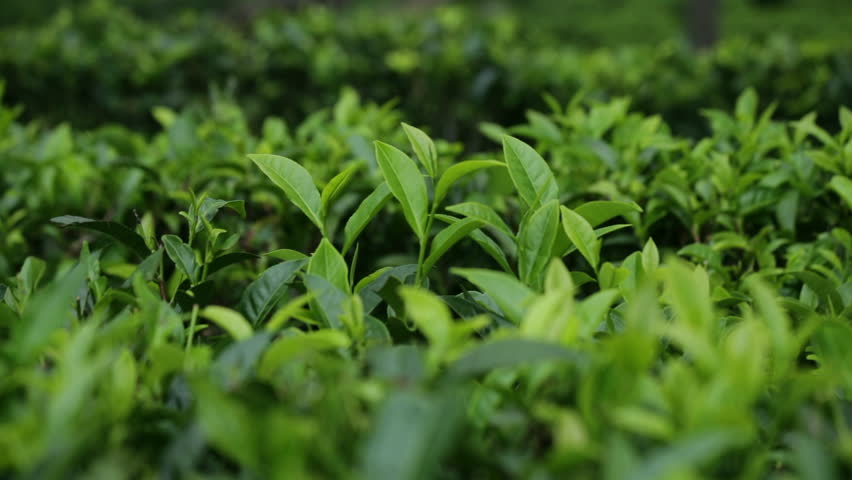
x=99 y=63
x=590 y=296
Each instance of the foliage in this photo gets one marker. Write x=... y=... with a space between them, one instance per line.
x=449 y=69
x=705 y=336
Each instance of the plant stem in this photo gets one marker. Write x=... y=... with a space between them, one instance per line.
x=424 y=241
x=192 y=319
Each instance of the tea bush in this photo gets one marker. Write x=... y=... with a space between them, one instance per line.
x=449 y=70
x=597 y=297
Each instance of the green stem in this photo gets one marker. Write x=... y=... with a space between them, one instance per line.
x=424 y=242
x=192 y=319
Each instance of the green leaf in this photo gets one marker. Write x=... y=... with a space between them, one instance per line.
x=650 y=256
x=424 y=147
x=536 y=236
x=327 y=263
x=182 y=255
x=229 y=320
x=510 y=353
x=286 y=254
x=115 y=230
x=229 y=259
x=429 y=313
x=490 y=247
x=598 y=212
x=296 y=183
x=365 y=212
x=287 y=348
x=413 y=431
x=48 y=310
x=688 y=452
x=336 y=185
x=507 y=292
x=457 y=171
x=448 y=237
x=843 y=186
x=263 y=294
x=582 y=235
x=407 y=185
x=529 y=172
x=482 y=212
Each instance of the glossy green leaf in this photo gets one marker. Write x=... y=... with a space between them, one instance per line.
x=337 y=185
x=531 y=175
x=457 y=171
x=536 y=236
x=182 y=255
x=424 y=148
x=482 y=212
x=115 y=230
x=582 y=235
x=448 y=237
x=506 y=291
x=296 y=183
x=365 y=212
x=327 y=263
x=406 y=183
x=264 y=294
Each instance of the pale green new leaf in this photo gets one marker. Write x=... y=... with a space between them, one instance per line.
x=507 y=292
x=296 y=182
x=483 y=213
x=536 y=236
x=229 y=320
x=530 y=173
x=582 y=235
x=336 y=185
x=843 y=186
x=457 y=171
x=329 y=264
x=448 y=237
x=407 y=185
x=365 y=212
x=424 y=148
x=598 y=212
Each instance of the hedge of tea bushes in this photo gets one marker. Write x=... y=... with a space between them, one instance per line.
x=448 y=69
x=594 y=297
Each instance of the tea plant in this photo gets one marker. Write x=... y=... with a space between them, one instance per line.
x=196 y=358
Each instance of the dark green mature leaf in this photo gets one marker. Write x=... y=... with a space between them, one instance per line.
x=263 y=294
x=507 y=292
x=115 y=230
x=407 y=185
x=229 y=259
x=365 y=212
x=413 y=432
x=296 y=182
x=459 y=170
x=512 y=352
x=529 y=172
x=182 y=255
x=327 y=302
